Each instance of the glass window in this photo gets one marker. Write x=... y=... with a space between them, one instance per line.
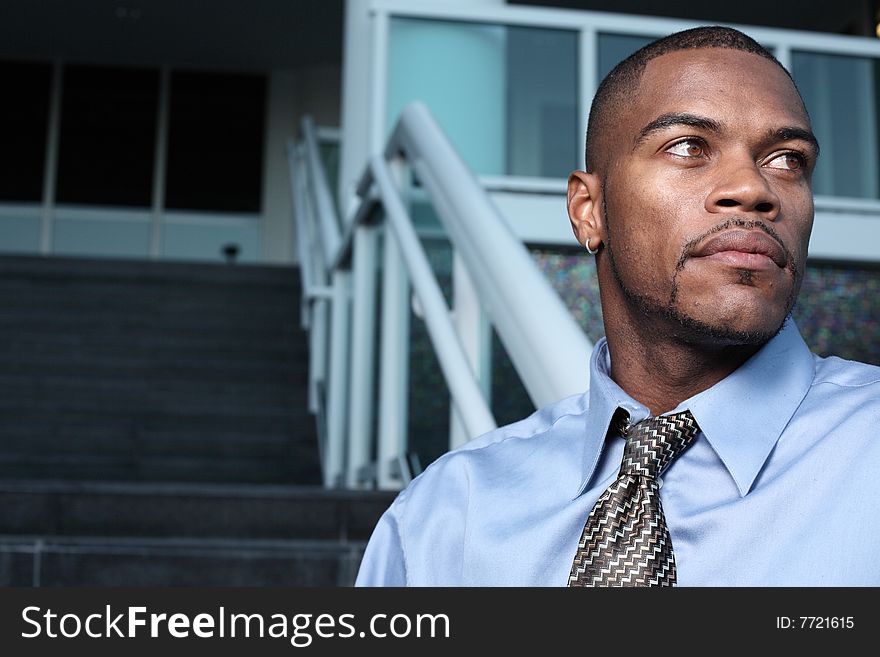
x=506 y=96
x=542 y=114
x=215 y=142
x=614 y=48
x=108 y=135
x=24 y=116
x=841 y=96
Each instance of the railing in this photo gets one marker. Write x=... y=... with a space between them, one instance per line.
x=494 y=279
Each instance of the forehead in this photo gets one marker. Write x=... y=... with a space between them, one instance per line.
x=728 y=85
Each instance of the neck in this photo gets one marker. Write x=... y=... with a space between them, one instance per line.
x=659 y=369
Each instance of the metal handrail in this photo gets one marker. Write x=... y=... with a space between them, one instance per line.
x=313 y=274
x=457 y=372
x=514 y=293
x=320 y=190
x=517 y=296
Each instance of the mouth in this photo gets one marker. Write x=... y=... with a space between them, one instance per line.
x=743 y=249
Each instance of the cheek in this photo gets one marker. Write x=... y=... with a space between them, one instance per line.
x=798 y=213
x=644 y=230
x=805 y=233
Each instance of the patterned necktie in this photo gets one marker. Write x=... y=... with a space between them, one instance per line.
x=625 y=541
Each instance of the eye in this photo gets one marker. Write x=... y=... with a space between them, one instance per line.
x=690 y=147
x=787 y=161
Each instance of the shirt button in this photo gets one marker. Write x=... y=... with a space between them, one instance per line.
x=659 y=484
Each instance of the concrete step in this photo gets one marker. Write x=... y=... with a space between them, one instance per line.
x=297 y=464
x=152 y=534
x=160 y=367
x=121 y=326
x=61 y=421
x=151 y=392
x=255 y=302
x=155 y=510
x=226 y=352
x=73 y=269
x=87 y=562
x=72 y=440
x=200 y=406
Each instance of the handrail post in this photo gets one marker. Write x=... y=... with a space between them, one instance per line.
x=298 y=198
x=394 y=363
x=475 y=335
x=337 y=395
x=323 y=201
x=363 y=339
x=317 y=352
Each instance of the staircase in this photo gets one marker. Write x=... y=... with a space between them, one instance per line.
x=120 y=534
x=154 y=430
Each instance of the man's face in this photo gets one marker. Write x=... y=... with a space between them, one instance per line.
x=707 y=198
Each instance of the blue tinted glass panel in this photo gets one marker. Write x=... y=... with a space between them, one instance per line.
x=841 y=96
x=614 y=48
x=505 y=96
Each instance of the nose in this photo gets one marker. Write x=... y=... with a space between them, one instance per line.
x=741 y=188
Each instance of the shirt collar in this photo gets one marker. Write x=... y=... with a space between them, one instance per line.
x=742 y=416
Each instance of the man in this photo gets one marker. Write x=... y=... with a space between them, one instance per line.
x=712 y=447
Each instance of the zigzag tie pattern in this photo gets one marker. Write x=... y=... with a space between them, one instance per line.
x=625 y=541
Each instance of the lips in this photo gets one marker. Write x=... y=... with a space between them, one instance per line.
x=743 y=241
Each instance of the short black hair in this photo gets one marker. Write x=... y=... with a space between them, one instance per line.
x=625 y=77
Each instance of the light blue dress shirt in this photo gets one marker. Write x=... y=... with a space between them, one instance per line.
x=780 y=488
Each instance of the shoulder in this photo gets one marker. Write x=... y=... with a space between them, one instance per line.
x=846 y=391
x=844 y=374
x=538 y=424
x=508 y=471
x=545 y=435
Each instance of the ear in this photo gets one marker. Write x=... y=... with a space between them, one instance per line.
x=585 y=208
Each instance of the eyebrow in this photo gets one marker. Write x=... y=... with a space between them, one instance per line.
x=673 y=119
x=795 y=133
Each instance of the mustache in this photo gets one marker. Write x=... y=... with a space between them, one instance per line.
x=738 y=222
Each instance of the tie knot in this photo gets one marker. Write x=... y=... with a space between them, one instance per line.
x=652 y=444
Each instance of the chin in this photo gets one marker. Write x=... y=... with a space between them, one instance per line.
x=724 y=332
x=732 y=315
